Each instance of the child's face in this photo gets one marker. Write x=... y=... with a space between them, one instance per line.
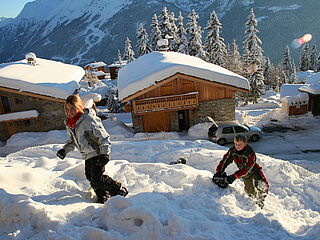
x=239 y=145
x=71 y=110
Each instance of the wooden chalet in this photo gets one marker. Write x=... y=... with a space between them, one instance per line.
x=99 y=69
x=32 y=96
x=115 y=67
x=169 y=91
x=313 y=91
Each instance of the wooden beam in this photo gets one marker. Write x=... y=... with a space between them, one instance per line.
x=31 y=94
x=183 y=76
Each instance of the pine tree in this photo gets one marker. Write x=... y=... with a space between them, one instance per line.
x=266 y=73
x=119 y=59
x=234 y=62
x=156 y=33
x=214 y=43
x=128 y=52
x=143 y=41
x=288 y=66
x=195 y=47
x=112 y=102
x=181 y=34
x=314 y=58
x=304 y=58
x=165 y=24
x=173 y=42
x=253 y=57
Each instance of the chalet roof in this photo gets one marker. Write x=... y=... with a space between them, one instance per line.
x=118 y=64
x=288 y=90
x=98 y=73
x=46 y=77
x=313 y=84
x=151 y=68
x=96 y=64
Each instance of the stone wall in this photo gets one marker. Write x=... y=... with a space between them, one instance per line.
x=219 y=110
x=51 y=114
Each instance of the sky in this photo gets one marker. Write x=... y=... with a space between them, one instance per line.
x=12 y=8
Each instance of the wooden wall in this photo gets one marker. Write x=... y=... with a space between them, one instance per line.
x=207 y=91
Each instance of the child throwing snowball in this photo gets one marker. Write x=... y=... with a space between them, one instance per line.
x=86 y=132
x=256 y=184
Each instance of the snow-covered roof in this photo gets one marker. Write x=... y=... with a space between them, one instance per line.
x=151 y=68
x=301 y=76
x=118 y=63
x=96 y=64
x=18 y=115
x=312 y=88
x=46 y=77
x=290 y=90
x=313 y=84
x=98 y=73
x=299 y=99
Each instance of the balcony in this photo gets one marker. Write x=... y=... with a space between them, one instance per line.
x=167 y=103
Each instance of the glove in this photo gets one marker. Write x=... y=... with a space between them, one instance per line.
x=219 y=176
x=230 y=179
x=61 y=153
x=103 y=159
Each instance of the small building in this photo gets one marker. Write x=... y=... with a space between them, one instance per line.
x=312 y=88
x=170 y=91
x=115 y=67
x=295 y=105
x=99 y=69
x=32 y=94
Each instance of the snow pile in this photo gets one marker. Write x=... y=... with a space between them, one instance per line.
x=43 y=197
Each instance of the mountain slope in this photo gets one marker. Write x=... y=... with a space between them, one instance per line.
x=95 y=29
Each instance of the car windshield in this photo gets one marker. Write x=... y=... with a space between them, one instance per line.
x=245 y=126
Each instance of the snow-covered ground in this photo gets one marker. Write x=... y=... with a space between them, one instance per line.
x=43 y=197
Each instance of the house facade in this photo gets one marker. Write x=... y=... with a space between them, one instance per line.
x=176 y=94
x=32 y=96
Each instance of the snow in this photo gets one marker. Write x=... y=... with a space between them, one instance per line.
x=151 y=68
x=96 y=64
x=289 y=90
x=19 y=115
x=297 y=100
x=313 y=84
x=302 y=76
x=44 y=197
x=46 y=77
x=284 y=8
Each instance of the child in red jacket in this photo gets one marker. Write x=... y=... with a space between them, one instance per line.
x=256 y=184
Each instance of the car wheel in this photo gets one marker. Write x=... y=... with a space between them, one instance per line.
x=254 y=138
x=222 y=141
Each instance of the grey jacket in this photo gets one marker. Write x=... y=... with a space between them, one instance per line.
x=89 y=136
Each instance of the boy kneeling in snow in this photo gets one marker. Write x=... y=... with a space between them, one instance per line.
x=256 y=184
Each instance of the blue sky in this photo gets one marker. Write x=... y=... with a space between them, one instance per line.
x=11 y=8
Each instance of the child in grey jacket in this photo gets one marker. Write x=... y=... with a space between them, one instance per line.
x=86 y=132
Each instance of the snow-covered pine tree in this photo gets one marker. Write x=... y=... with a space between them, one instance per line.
x=288 y=66
x=155 y=32
x=305 y=58
x=195 y=47
x=128 y=51
x=119 y=59
x=181 y=34
x=112 y=102
x=234 y=62
x=165 y=24
x=314 y=58
x=257 y=85
x=214 y=43
x=173 y=42
x=266 y=72
x=253 y=59
x=143 y=41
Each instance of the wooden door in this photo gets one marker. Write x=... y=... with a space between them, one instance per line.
x=156 y=122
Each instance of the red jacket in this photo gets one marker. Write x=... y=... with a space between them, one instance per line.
x=244 y=159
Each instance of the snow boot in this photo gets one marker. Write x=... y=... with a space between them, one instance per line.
x=103 y=199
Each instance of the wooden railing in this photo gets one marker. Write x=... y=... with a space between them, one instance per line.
x=183 y=101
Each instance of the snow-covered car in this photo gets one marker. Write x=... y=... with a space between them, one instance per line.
x=224 y=132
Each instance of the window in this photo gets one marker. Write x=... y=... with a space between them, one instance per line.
x=18 y=100
x=239 y=129
x=5 y=104
x=227 y=130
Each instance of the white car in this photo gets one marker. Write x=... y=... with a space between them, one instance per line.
x=224 y=132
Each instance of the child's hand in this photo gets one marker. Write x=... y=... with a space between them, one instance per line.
x=230 y=179
x=61 y=153
x=103 y=159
